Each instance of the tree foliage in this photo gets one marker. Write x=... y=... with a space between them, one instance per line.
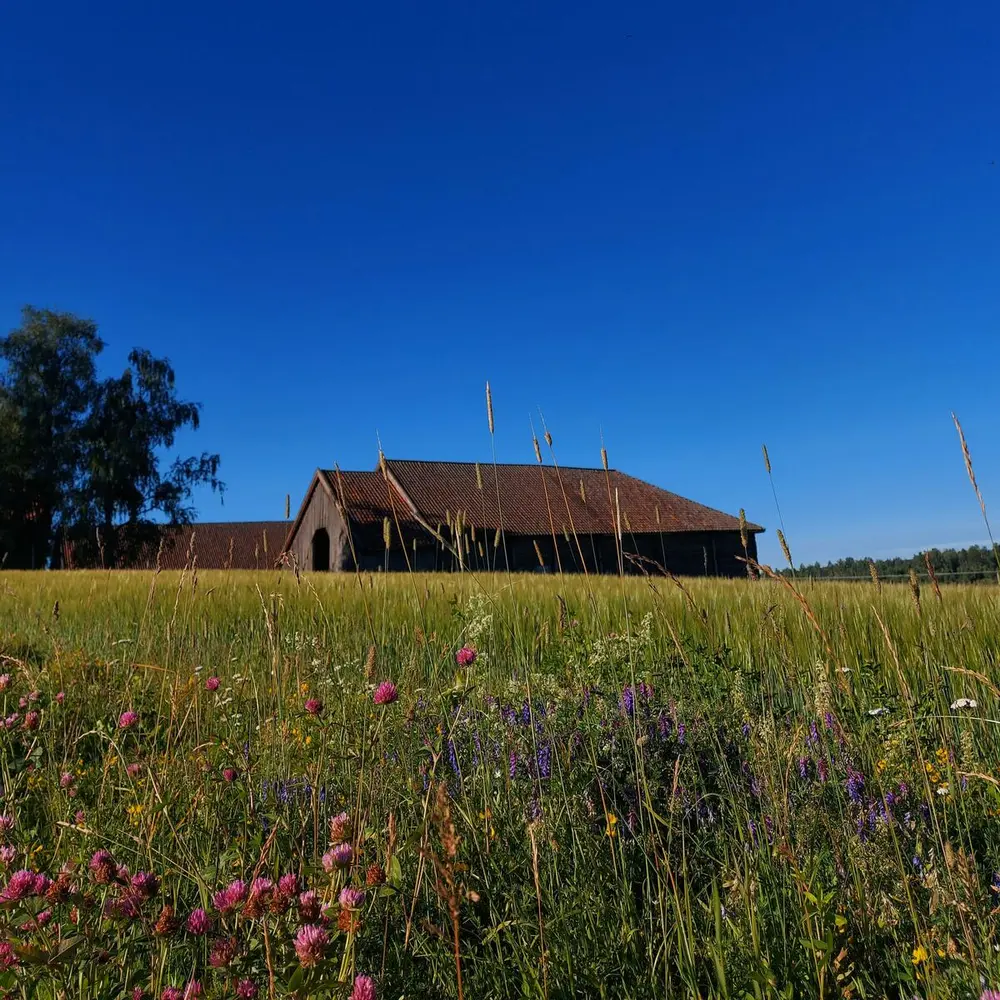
x=80 y=455
x=977 y=562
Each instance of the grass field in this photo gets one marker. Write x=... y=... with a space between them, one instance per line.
x=636 y=789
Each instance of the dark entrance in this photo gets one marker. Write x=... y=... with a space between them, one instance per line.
x=321 y=551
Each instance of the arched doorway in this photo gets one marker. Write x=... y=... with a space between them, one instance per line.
x=321 y=550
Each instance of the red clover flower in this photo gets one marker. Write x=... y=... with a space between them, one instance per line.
x=386 y=693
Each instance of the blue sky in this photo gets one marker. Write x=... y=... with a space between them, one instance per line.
x=692 y=229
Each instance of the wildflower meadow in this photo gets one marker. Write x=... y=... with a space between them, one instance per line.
x=278 y=785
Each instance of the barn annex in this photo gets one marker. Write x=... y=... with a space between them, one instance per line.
x=426 y=516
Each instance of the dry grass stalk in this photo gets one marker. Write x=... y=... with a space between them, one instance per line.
x=583 y=493
x=370 y=664
x=873 y=569
x=538 y=451
x=538 y=552
x=967 y=457
x=933 y=576
x=767 y=460
x=446 y=885
x=915 y=589
x=604 y=458
x=784 y=548
x=489 y=407
x=479 y=478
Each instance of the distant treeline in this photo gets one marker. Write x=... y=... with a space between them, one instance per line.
x=977 y=562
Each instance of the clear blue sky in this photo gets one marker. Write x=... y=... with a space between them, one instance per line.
x=695 y=227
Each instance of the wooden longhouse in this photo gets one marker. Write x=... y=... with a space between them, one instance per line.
x=427 y=516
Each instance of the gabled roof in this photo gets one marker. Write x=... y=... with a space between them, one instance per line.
x=225 y=545
x=367 y=497
x=206 y=545
x=523 y=499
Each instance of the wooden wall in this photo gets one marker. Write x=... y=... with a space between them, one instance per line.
x=321 y=512
x=683 y=553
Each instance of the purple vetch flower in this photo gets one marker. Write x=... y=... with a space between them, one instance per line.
x=855 y=784
x=828 y=719
x=814 y=734
x=803 y=768
x=822 y=769
x=681 y=730
x=513 y=764
x=627 y=701
x=545 y=761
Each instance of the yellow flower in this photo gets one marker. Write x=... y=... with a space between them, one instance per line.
x=881 y=765
x=612 y=821
x=941 y=754
x=135 y=813
x=919 y=954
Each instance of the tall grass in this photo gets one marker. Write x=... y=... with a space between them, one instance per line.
x=638 y=788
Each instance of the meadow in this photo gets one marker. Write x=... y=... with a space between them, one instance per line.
x=270 y=785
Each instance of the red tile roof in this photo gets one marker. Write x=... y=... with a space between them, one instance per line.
x=217 y=545
x=367 y=496
x=581 y=500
